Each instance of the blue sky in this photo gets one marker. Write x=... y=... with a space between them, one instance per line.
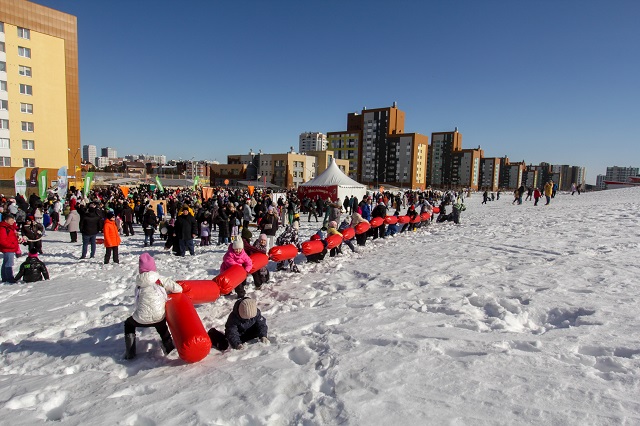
x=546 y=80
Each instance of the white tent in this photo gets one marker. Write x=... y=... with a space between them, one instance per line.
x=333 y=184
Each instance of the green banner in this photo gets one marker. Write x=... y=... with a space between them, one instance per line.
x=21 y=181
x=42 y=184
x=160 y=187
x=88 y=179
x=195 y=181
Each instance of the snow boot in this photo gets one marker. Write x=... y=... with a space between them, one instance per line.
x=130 y=344
x=168 y=346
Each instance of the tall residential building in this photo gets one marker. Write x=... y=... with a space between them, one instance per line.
x=621 y=174
x=489 y=173
x=511 y=174
x=310 y=141
x=408 y=165
x=465 y=168
x=443 y=146
x=89 y=153
x=346 y=146
x=109 y=152
x=39 y=96
x=378 y=156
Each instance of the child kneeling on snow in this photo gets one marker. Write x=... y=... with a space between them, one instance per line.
x=33 y=269
x=151 y=296
x=244 y=323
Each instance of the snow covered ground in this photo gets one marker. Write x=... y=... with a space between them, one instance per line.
x=520 y=315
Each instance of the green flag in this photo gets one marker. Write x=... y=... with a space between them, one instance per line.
x=160 y=187
x=88 y=178
x=195 y=181
x=42 y=184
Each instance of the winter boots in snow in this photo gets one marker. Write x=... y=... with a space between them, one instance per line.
x=130 y=346
x=167 y=346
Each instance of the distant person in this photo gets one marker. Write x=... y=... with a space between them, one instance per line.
x=548 y=191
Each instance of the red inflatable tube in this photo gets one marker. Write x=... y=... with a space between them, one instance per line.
x=362 y=227
x=200 y=291
x=436 y=209
x=391 y=220
x=416 y=219
x=229 y=279
x=425 y=216
x=312 y=247
x=376 y=221
x=259 y=260
x=189 y=336
x=333 y=241
x=348 y=234
x=280 y=253
x=403 y=219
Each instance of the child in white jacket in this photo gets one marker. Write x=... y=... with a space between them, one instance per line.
x=151 y=296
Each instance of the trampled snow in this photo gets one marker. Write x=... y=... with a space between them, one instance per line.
x=519 y=315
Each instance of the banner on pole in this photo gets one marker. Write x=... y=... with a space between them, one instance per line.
x=20 y=180
x=159 y=184
x=33 y=178
x=88 y=179
x=42 y=184
x=62 y=182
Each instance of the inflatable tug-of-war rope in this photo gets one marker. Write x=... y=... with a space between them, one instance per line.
x=189 y=335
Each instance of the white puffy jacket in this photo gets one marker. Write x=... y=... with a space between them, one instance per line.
x=151 y=296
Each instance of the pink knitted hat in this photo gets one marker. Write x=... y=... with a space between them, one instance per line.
x=146 y=263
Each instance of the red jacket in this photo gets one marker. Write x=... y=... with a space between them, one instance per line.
x=8 y=238
x=111 y=235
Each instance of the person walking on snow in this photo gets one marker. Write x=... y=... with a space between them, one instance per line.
x=151 y=297
x=111 y=238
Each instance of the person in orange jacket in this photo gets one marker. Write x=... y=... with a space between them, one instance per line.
x=111 y=238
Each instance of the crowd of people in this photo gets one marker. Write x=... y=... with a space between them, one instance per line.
x=178 y=217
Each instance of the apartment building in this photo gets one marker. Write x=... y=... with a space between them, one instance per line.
x=89 y=153
x=312 y=141
x=39 y=95
x=443 y=146
x=109 y=152
x=346 y=146
x=489 y=174
x=408 y=157
x=465 y=168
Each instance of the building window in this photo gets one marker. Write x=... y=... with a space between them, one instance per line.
x=3 y=86
x=1 y=27
x=4 y=143
x=27 y=126
x=24 y=33
x=26 y=89
x=5 y=161
x=28 y=162
x=26 y=108
x=25 y=52
x=24 y=70
x=1 y=46
x=3 y=67
x=28 y=144
x=4 y=123
x=4 y=105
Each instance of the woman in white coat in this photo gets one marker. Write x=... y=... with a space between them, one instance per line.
x=151 y=296
x=73 y=225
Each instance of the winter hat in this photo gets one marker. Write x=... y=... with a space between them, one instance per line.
x=146 y=263
x=110 y=215
x=238 y=244
x=333 y=224
x=247 y=309
x=270 y=209
x=246 y=234
x=263 y=237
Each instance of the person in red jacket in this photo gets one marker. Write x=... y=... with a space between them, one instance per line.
x=9 y=246
x=111 y=238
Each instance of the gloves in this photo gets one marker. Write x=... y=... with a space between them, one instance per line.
x=264 y=340
x=239 y=347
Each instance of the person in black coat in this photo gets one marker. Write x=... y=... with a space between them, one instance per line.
x=379 y=211
x=33 y=269
x=90 y=225
x=185 y=230
x=244 y=323
x=149 y=224
x=223 y=226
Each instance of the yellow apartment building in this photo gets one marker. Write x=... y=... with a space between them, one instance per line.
x=39 y=94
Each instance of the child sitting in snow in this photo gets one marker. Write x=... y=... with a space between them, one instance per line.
x=321 y=235
x=289 y=236
x=332 y=229
x=244 y=323
x=344 y=225
x=151 y=296
x=261 y=276
x=393 y=229
x=33 y=269
x=236 y=255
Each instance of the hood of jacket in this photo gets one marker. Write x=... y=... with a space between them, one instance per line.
x=147 y=279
